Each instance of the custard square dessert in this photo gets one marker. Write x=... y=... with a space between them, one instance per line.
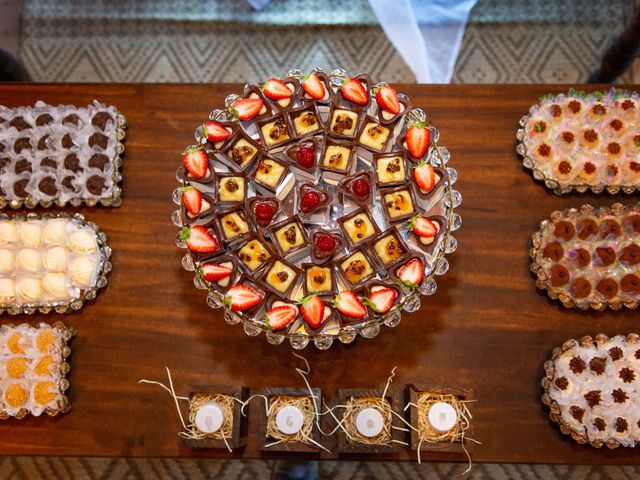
x=270 y=172
x=242 y=151
x=306 y=120
x=289 y=236
x=319 y=279
x=280 y=276
x=343 y=122
x=356 y=268
x=255 y=252
x=275 y=131
x=389 y=247
x=398 y=203
x=390 y=169
x=337 y=156
x=374 y=136
x=358 y=226
x=234 y=224
x=231 y=187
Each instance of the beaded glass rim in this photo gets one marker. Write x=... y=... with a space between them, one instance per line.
x=87 y=294
x=410 y=302
x=552 y=183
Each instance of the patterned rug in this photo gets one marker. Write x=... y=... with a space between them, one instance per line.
x=516 y=41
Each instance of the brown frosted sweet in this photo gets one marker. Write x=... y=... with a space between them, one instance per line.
x=583 y=257
x=586 y=228
x=608 y=287
x=630 y=283
x=553 y=251
x=609 y=228
x=559 y=275
x=581 y=287
x=564 y=230
x=631 y=254
x=607 y=255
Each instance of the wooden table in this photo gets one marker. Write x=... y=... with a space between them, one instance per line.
x=487 y=327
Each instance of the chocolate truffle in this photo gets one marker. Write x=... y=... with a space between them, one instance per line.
x=559 y=275
x=564 y=230
x=48 y=163
x=607 y=255
x=630 y=283
x=583 y=257
x=71 y=162
x=587 y=228
x=95 y=185
x=553 y=251
x=609 y=228
x=631 y=254
x=581 y=287
x=98 y=139
x=19 y=123
x=67 y=141
x=608 y=287
x=101 y=119
x=44 y=119
x=597 y=365
x=22 y=166
x=48 y=186
x=20 y=188
x=43 y=143
x=98 y=160
x=68 y=182
x=72 y=119
x=23 y=143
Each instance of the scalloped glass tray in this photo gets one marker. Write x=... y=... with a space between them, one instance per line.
x=443 y=203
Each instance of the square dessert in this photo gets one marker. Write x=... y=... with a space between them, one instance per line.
x=234 y=224
x=373 y=136
x=280 y=277
x=343 y=122
x=358 y=226
x=398 y=203
x=275 y=131
x=270 y=172
x=305 y=120
x=388 y=247
x=242 y=151
x=231 y=187
x=390 y=169
x=289 y=236
x=318 y=279
x=255 y=253
x=356 y=267
x=337 y=156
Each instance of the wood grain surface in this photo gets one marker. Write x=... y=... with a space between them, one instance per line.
x=487 y=328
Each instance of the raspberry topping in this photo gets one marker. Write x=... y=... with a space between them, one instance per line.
x=310 y=202
x=325 y=242
x=306 y=157
x=264 y=213
x=360 y=188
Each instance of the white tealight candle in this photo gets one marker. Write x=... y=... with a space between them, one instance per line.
x=209 y=418
x=369 y=422
x=289 y=420
x=442 y=416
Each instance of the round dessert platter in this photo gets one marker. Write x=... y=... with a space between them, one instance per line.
x=583 y=141
x=50 y=263
x=316 y=207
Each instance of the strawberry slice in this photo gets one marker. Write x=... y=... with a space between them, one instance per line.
x=387 y=99
x=425 y=177
x=314 y=86
x=280 y=317
x=196 y=162
x=423 y=227
x=348 y=303
x=353 y=90
x=411 y=274
x=199 y=239
x=312 y=310
x=241 y=297
x=192 y=199
x=382 y=300
x=215 y=132
x=276 y=89
x=247 y=108
x=213 y=272
x=417 y=138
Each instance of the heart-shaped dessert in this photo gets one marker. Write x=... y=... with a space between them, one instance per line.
x=358 y=186
x=325 y=244
x=263 y=209
x=303 y=154
x=251 y=105
x=311 y=199
x=316 y=87
x=281 y=92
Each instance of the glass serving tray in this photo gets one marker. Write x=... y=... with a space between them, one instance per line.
x=442 y=203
